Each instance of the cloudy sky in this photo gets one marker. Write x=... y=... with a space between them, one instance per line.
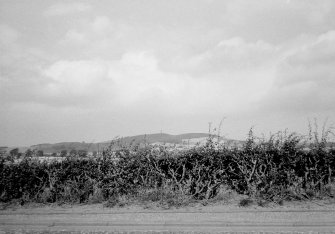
x=93 y=70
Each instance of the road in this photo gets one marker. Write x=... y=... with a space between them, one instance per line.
x=176 y=221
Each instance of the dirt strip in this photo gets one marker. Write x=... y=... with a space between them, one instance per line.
x=293 y=218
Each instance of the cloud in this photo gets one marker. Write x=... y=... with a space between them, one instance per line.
x=8 y=35
x=99 y=37
x=67 y=8
x=165 y=62
x=229 y=55
x=278 y=21
x=74 y=37
x=305 y=79
x=132 y=80
x=19 y=67
x=74 y=81
x=136 y=83
x=101 y=27
x=8 y=45
x=230 y=75
x=90 y=33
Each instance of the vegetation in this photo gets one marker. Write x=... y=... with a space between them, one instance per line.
x=148 y=138
x=283 y=167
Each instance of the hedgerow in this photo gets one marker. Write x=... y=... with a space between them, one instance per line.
x=282 y=167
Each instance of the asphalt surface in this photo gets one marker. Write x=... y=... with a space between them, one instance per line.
x=254 y=221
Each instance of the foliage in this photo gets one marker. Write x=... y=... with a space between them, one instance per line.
x=282 y=167
x=14 y=152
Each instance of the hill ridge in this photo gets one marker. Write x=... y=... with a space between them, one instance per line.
x=98 y=146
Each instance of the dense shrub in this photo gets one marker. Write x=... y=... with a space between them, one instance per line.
x=273 y=170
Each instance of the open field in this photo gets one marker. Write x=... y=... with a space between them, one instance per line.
x=294 y=217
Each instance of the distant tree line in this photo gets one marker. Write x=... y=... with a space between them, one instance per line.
x=16 y=154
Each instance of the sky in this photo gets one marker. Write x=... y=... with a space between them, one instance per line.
x=93 y=70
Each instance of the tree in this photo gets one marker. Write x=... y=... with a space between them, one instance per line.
x=5 y=155
x=40 y=153
x=29 y=153
x=14 y=152
x=82 y=153
x=63 y=153
x=73 y=153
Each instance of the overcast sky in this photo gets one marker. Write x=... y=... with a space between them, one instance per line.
x=93 y=70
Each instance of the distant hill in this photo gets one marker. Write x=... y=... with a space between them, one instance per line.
x=190 y=138
x=146 y=138
x=162 y=137
x=58 y=147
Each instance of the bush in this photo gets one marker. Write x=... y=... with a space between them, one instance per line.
x=266 y=170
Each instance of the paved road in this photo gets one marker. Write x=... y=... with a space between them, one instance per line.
x=225 y=221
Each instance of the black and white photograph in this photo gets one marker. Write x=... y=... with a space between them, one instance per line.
x=167 y=116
